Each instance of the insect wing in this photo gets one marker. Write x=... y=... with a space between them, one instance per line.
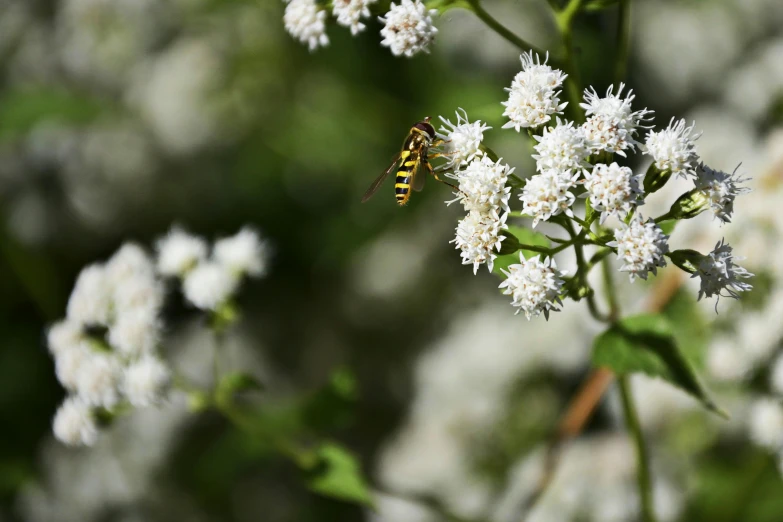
x=419 y=177
x=380 y=179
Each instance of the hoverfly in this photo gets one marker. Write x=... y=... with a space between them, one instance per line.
x=414 y=154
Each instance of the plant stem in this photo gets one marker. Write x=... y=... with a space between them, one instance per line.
x=581 y=272
x=609 y=289
x=642 y=465
x=623 y=40
x=565 y=22
x=500 y=29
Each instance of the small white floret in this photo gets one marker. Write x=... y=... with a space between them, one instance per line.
x=135 y=332
x=98 y=381
x=91 y=298
x=64 y=336
x=561 y=148
x=146 y=381
x=349 y=13
x=611 y=123
x=74 y=423
x=641 y=247
x=482 y=185
x=613 y=190
x=673 y=149
x=548 y=194
x=534 y=95
x=306 y=22
x=179 y=251
x=720 y=276
x=462 y=140
x=209 y=285
x=243 y=253
x=721 y=190
x=766 y=423
x=479 y=237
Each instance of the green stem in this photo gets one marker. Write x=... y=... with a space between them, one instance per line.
x=581 y=272
x=489 y=152
x=565 y=22
x=609 y=289
x=500 y=29
x=623 y=40
x=643 y=479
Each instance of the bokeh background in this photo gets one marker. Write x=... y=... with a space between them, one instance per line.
x=120 y=118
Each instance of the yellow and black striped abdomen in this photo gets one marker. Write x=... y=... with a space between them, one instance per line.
x=409 y=160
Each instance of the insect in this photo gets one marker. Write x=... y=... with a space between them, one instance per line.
x=414 y=154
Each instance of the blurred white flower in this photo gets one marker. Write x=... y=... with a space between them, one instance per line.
x=534 y=94
x=90 y=301
x=243 y=253
x=612 y=124
x=776 y=375
x=178 y=252
x=548 y=194
x=721 y=188
x=727 y=362
x=350 y=12
x=462 y=140
x=128 y=262
x=74 y=423
x=673 y=149
x=479 y=237
x=408 y=28
x=209 y=285
x=306 y=22
x=64 y=336
x=719 y=274
x=561 y=148
x=640 y=246
x=135 y=332
x=613 y=190
x=534 y=285
x=146 y=381
x=142 y=292
x=68 y=364
x=765 y=423
x=482 y=185
x=99 y=380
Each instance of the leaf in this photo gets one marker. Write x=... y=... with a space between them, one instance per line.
x=645 y=343
x=525 y=236
x=339 y=475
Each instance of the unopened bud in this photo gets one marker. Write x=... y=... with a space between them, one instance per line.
x=689 y=205
x=688 y=260
x=654 y=179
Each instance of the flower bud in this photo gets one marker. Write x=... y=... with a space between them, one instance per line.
x=688 y=260
x=689 y=205
x=510 y=244
x=655 y=179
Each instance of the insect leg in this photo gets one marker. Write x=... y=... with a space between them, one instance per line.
x=435 y=175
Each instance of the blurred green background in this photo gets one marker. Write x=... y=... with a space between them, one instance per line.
x=120 y=118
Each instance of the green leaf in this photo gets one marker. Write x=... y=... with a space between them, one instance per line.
x=339 y=475
x=524 y=236
x=645 y=343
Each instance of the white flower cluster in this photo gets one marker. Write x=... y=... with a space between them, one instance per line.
x=548 y=194
x=641 y=247
x=534 y=95
x=479 y=237
x=721 y=189
x=209 y=282
x=534 y=285
x=719 y=275
x=561 y=148
x=613 y=189
x=462 y=142
x=612 y=124
x=673 y=149
x=408 y=28
x=106 y=349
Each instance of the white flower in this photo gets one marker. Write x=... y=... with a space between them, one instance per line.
x=209 y=285
x=719 y=274
x=482 y=185
x=350 y=12
x=306 y=22
x=673 y=149
x=98 y=380
x=534 y=94
x=776 y=375
x=721 y=189
x=135 y=332
x=242 y=253
x=139 y=293
x=408 y=28
x=146 y=381
x=548 y=194
x=90 y=301
x=478 y=237
x=74 y=423
x=727 y=362
x=613 y=189
x=561 y=148
x=179 y=251
x=534 y=285
x=463 y=140
x=68 y=364
x=64 y=336
x=641 y=247
x=128 y=262
x=766 y=423
x=611 y=124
